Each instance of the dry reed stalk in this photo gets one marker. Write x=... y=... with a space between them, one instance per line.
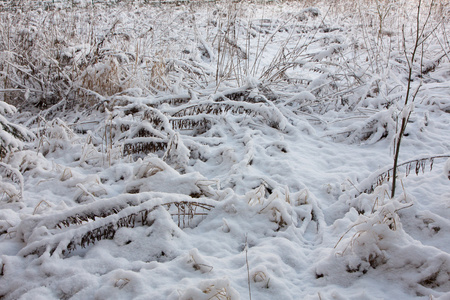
x=187 y=210
x=416 y=165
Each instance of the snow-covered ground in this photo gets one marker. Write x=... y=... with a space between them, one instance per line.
x=225 y=151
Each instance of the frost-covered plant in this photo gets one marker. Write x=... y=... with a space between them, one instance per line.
x=12 y=135
x=30 y=71
x=367 y=203
x=372 y=237
x=75 y=58
x=256 y=196
x=177 y=154
x=370 y=130
x=417 y=166
x=287 y=209
x=153 y=174
x=198 y=262
x=54 y=135
x=11 y=184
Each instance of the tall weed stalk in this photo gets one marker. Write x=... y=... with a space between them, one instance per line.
x=420 y=37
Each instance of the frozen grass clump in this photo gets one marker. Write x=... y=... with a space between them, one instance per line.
x=376 y=243
x=12 y=135
x=54 y=136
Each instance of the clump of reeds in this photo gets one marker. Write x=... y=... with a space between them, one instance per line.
x=92 y=223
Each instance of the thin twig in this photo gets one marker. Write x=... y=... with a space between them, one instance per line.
x=248 y=268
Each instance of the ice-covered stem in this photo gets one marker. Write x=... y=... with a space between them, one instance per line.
x=418 y=40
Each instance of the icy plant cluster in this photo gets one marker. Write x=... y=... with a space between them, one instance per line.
x=224 y=150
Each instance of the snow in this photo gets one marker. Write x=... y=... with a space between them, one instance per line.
x=223 y=151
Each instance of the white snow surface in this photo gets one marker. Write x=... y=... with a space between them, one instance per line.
x=265 y=184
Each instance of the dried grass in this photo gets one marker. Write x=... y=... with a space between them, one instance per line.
x=144 y=147
x=185 y=211
x=94 y=222
x=415 y=165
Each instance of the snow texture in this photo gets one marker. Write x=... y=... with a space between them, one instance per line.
x=223 y=150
